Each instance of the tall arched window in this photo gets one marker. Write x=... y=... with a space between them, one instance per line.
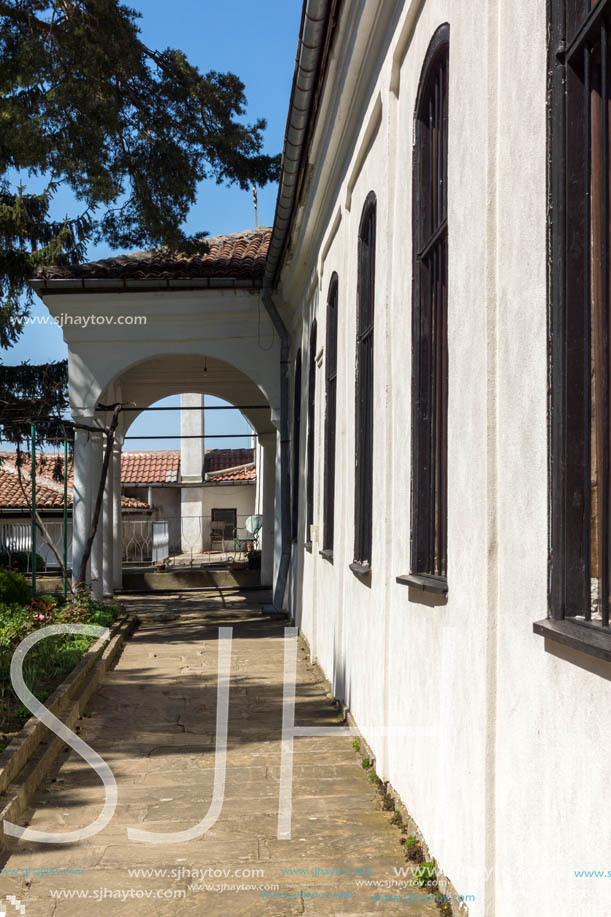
x=363 y=492
x=429 y=319
x=330 y=418
x=579 y=253
x=296 y=438
x=311 y=438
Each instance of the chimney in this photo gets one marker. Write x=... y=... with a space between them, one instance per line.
x=192 y=450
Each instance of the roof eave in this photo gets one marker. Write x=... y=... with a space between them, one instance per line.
x=318 y=22
x=46 y=286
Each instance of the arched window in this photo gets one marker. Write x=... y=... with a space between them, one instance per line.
x=580 y=214
x=311 y=437
x=429 y=319
x=363 y=492
x=296 y=437
x=330 y=418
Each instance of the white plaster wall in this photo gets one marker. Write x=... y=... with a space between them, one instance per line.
x=230 y=325
x=192 y=523
x=166 y=505
x=510 y=796
x=191 y=450
x=553 y=731
x=439 y=654
x=240 y=497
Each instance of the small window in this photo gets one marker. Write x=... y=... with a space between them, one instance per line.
x=429 y=318
x=296 y=437
x=330 y=416
x=230 y=519
x=311 y=437
x=580 y=178
x=363 y=492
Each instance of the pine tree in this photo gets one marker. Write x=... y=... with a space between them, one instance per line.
x=131 y=131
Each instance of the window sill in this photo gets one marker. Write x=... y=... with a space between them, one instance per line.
x=580 y=636
x=327 y=554
x=363 y=571
x=308 y=546
x=435 y=584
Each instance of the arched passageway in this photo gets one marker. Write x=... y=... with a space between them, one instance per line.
x=139 y=387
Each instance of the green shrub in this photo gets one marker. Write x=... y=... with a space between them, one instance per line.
x=104 y=617
x=53 y=658
x=425 y=874
x=14 y=588
x=20 y=560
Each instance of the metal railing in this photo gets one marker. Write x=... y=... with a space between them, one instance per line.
x=185 y=541
x=16 y=545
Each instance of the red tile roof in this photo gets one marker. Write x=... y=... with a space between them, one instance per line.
x=242 y=475
x=238 y=256
x=156 y=467
x=46 y=464
x=151 y=467
x=49 y=493
x=163 y=466
x=218 y=459
x=11 y=496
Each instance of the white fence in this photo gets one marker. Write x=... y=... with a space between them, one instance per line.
x=185 y=540
x=16 y=539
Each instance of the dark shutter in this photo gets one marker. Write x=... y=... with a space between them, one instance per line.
x=429 y=319
x=311 y=430
x=296 y=437
x=580 y=564
x=330 y=415
x=363 y=508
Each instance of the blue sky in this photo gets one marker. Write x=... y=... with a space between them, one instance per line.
x=258 y=42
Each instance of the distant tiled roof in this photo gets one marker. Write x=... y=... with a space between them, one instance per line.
x=217 y=459
x=46 y=463
x=151 y=467
x=49 y=493
x=240 y=256
x=242 y=475
x=156 y=467
x=163 y=466
x=11 y=496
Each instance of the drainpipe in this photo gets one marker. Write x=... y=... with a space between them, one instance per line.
x=312 y=39
x=285 y=474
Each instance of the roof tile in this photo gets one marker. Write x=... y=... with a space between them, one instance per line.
x=239 y=256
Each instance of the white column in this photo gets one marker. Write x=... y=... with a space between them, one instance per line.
x=267 y=472
x=117 y=530
x=81 y=496
x=97 y=551
x=191 y=471
x=108 y=553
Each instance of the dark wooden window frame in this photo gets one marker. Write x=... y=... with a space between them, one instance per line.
x=330 y=418
x=234 y=517
x=311 y=434
x=296 y=447
x=429 y=323
x=364 y=390
x=578 y=182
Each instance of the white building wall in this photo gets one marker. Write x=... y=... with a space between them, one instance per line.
x=521 y=761
x=240 y=497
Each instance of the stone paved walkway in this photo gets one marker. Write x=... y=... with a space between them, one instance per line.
x=154 y=724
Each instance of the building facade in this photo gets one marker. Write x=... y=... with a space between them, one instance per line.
x=433 y=412
x=430 y=215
